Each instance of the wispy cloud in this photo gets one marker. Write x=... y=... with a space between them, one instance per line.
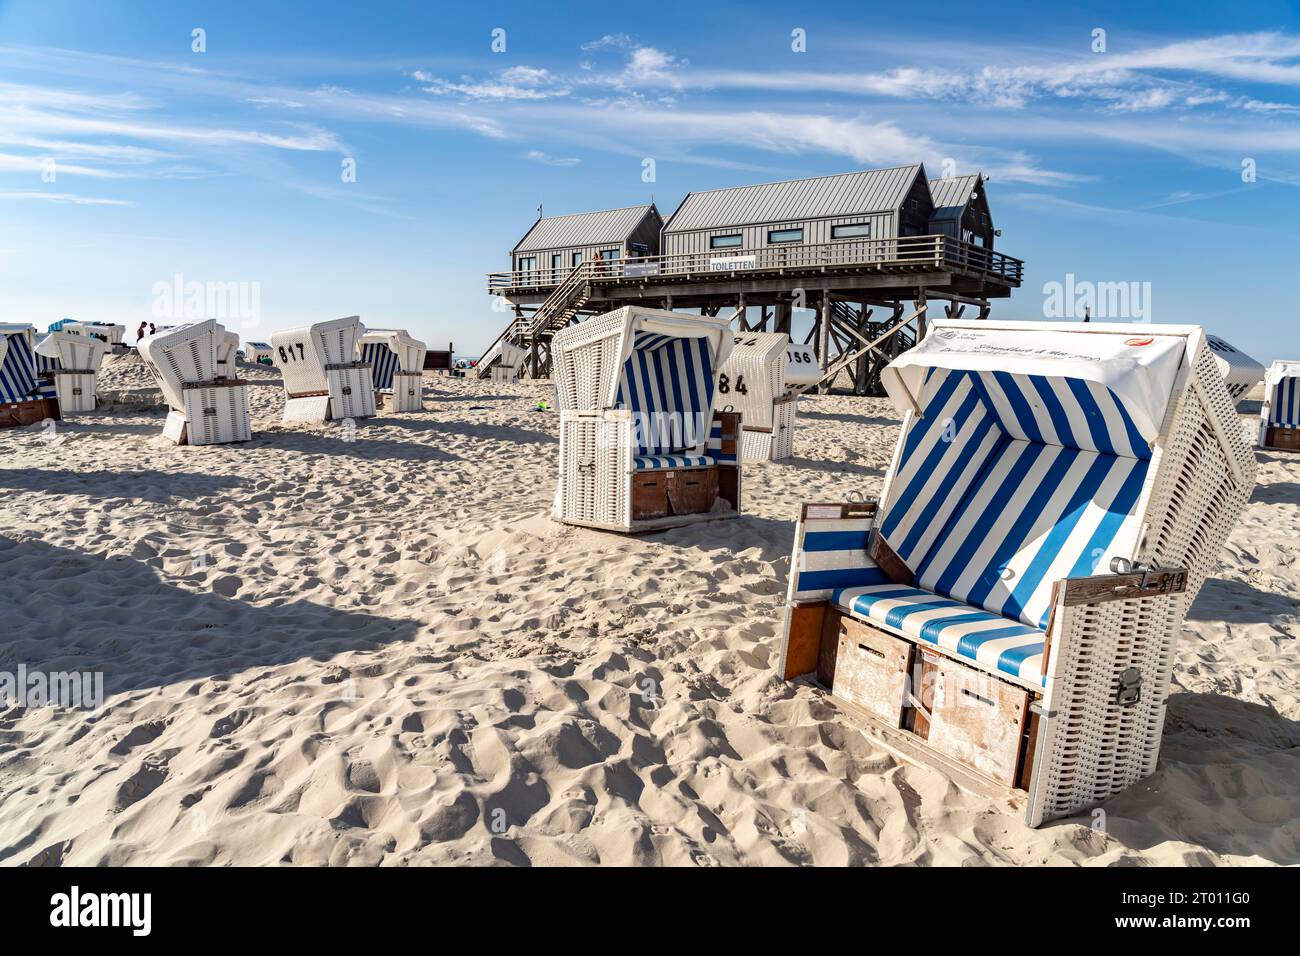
x=515 y=83
x=537 y=156
x=65 y=198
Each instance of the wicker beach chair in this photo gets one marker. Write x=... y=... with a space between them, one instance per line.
x=1240 y=372
x=1008 y=609
x=208 y=407
x=395 y=361
x=755 y=382
x=1279 y=418
x=641 y=445
x=72 y=361
x=323 y=380
x=502 y=363
x=24 y=398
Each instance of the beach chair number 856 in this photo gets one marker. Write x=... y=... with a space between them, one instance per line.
x=287 y=355
x=724 y=385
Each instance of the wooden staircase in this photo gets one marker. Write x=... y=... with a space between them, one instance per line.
x=556 y=311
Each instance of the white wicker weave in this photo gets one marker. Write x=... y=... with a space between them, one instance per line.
x=79 y=357
x=754 y=381
x=321 y=360
x=195 y=366
x=1093 y=739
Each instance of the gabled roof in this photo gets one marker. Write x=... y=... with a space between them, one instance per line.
x=846 y=194
x=583 y=229
x=951 y=195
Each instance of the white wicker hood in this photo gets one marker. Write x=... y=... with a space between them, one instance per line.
x=1138 y=363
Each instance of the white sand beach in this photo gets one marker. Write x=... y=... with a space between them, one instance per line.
x=384 y=651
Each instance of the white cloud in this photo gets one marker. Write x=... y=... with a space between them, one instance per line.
x=65 y=198
x=515 y=83
x=537 y=156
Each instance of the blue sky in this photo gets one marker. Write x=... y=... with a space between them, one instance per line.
x=225 y=165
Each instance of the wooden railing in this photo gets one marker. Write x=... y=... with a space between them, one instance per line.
x=939 y=252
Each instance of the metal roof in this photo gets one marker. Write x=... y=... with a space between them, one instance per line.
x=951 y=195
x=583 y=229
x=846 y=194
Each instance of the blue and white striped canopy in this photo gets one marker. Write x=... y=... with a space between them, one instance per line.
x=1284 y=399
x=667 y=382
x=383 y=363
x=1006 y=483
x=18 y=369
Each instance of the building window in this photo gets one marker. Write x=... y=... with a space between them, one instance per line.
x=854 y=230
x=576 y=260
x=527 y=263
x=785 y=235
x=611 y=255
x=725 y=242
x=557 y=262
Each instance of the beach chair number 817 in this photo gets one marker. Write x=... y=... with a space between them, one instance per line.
x=287 y=355
x=724 y=385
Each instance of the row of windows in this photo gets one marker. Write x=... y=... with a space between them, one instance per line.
x=776 y=237
x=529 y=263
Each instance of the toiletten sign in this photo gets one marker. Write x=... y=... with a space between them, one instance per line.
x=732 y=263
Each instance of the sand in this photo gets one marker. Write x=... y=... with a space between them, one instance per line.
x=384 y=651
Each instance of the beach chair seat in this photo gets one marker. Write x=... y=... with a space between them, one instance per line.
x=1011 y=603
x=661 y=462
x=25 y=398
x=994 y=642
x=641 y=444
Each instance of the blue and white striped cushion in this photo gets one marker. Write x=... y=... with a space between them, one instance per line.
x=988 y=639
x=659 y=462
x=833 y=554
x=1284 y=404
x=383 y=363
x=18 y=373
x=667 y=382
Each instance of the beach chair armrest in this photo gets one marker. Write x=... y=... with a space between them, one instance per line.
x=1141 y=583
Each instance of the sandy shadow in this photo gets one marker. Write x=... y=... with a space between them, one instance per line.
x=848 y=419
x=830 y=467
x=479 y=430
x=151 y=485
x=140 y=631
x=1278 y=492
x=332 y=443
x=1228 y=780
x=1238 y=603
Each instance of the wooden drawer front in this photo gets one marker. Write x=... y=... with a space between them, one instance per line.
x=975 y=718
x=871 y=670
x=1288 y=438
x=692 y=491
x=649 y=495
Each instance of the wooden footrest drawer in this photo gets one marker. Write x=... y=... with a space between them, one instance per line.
x=1279 y=437
x=871 y=670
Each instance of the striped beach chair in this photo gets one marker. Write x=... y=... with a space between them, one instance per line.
x=25 y=398
x=71 y=360
x=642 y=446
x=194 y=367
x=1008 y=609
x=323 y=378
x=1279 y=425
x=396 y=360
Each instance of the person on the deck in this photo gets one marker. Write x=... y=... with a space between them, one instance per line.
x=139 y=333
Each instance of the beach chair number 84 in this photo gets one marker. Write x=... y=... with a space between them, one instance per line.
x=724 y=385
